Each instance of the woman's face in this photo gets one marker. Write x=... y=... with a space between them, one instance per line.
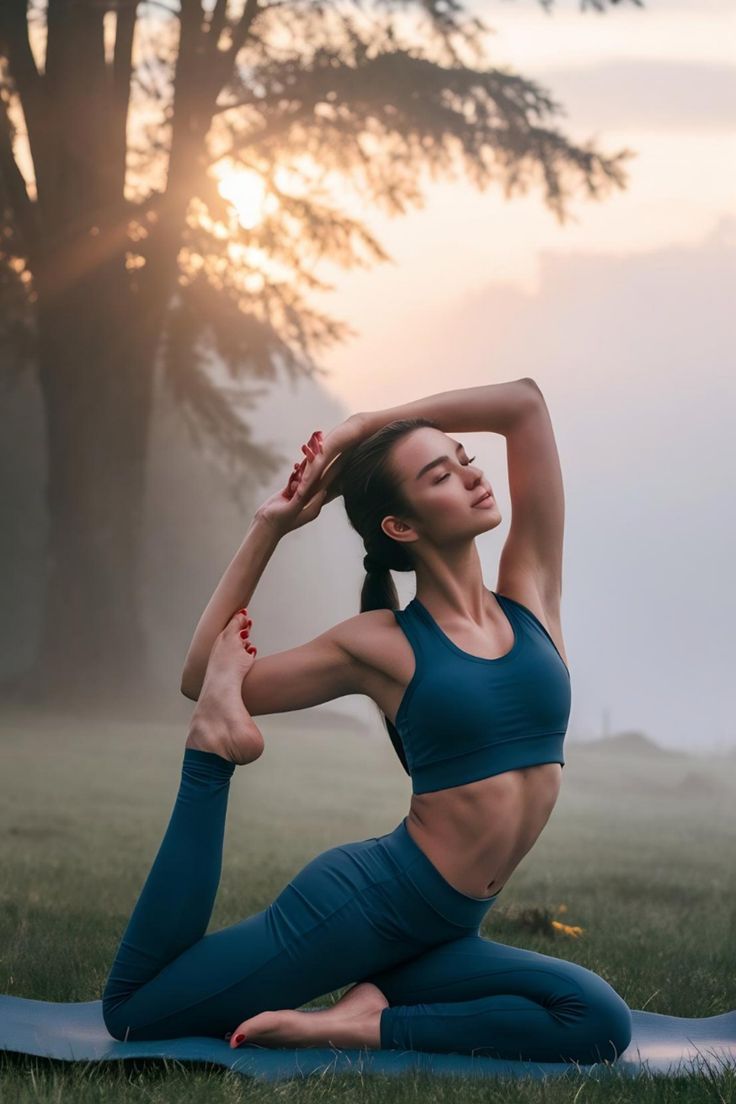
x=443 y=487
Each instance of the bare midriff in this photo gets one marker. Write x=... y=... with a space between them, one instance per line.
x=478 y=833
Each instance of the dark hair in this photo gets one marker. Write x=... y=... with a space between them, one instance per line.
x=370 y=488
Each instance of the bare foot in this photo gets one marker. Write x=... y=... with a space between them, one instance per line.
x=354 y=1021
x=220 y=722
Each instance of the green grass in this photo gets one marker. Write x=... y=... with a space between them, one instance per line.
x=638 y=853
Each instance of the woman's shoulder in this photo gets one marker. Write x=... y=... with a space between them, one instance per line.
x=365 y=629
x=368 y=637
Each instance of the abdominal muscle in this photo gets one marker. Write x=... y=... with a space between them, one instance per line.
x=478 y=833
x=475 y=834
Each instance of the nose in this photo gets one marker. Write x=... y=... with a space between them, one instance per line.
x=478 y=479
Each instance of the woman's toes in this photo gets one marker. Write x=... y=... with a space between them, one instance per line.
x=252 y=1027
x=240 y=623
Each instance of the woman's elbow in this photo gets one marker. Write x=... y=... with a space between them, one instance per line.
x=189 y=688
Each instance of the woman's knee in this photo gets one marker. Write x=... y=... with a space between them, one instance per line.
x=118 y=1015
x=122 y=1023
x=608 y=1021
x=113 y=1016
x=610 y=1031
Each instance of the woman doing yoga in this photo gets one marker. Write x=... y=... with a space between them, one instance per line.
x=478 y=686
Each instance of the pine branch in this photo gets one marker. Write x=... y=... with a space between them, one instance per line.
x=394 y=115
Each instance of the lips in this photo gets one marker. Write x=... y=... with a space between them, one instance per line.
x=483 y=497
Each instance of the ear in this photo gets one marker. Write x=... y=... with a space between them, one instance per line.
x=394 y=527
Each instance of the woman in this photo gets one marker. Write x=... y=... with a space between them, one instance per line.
x=478 y=687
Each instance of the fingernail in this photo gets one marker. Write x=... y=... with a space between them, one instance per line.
x=239 y=1038
x=243 y=633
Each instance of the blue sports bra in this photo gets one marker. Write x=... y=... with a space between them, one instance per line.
x=463 y=717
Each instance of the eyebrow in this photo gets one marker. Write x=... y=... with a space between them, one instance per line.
x=434 y=463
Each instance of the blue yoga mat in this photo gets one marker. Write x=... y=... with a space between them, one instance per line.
x=76 y=1032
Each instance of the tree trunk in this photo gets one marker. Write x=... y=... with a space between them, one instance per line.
x=96 y=362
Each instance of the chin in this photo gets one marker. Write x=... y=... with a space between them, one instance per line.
x=490 y=519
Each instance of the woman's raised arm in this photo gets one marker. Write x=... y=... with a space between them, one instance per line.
x=279 y=515
x=311 y=484
x=234 y=591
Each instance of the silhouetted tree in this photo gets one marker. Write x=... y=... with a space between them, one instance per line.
x=118 y=252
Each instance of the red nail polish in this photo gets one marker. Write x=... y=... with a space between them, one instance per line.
x=243 y=633
x=239 y=1038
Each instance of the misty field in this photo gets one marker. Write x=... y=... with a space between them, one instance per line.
x=638 y=854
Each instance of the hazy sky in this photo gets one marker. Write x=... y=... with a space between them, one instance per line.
x=624 y=316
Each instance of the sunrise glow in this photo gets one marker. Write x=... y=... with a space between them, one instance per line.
x=246 y=191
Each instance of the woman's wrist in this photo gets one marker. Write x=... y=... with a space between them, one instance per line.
x=265 y=525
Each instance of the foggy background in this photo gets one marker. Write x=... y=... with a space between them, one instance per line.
x=624 y=317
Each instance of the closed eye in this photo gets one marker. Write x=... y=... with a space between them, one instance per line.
x=447 y=474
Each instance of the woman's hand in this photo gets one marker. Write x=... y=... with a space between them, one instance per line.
x=283 y=510
x=313 y=482
x=323 y=472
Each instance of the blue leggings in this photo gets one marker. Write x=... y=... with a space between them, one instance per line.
x=373 y=910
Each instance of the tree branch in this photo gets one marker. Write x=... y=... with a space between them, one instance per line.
x=14 y=184
x=217 y=22
x=29 y=84
x=412 y=112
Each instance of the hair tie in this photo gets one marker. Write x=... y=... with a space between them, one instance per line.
x=371 y=564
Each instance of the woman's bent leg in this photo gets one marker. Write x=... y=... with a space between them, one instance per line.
x=349 y=911
x=472 y=995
